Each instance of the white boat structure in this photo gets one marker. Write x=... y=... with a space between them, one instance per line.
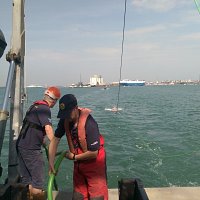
x=127 y=82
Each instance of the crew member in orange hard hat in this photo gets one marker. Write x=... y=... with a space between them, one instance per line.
x=36 y=125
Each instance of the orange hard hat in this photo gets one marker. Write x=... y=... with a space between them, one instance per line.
x=53 y=92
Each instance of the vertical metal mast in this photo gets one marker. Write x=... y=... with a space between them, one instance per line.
x=16 y=58
x=3 y=113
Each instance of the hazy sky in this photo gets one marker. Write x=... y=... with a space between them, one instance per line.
x=71 y=39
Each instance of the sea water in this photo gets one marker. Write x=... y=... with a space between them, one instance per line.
x=155 y=137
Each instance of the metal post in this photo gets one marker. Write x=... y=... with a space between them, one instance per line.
x=17 y=88
x=8 y=85
x=4 y=113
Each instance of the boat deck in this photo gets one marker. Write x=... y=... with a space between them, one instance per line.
x=165 y=193
x=173 y=193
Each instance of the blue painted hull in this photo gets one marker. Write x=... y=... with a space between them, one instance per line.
x=132 y=83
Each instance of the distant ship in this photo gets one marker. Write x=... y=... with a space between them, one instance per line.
x=34 y=86
x=127 y=82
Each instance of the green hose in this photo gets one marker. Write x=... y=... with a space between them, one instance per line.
x=47 y=155
x=52 y=175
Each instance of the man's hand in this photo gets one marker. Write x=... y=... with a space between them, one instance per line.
x=69 y=155
x=52 y=169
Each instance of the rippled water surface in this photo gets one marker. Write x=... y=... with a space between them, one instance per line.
x=155 y=137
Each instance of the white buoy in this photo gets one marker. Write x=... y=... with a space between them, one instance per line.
x=113 y=109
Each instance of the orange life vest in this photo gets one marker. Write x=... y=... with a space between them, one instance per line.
x=84 y=113
x=41 y=102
